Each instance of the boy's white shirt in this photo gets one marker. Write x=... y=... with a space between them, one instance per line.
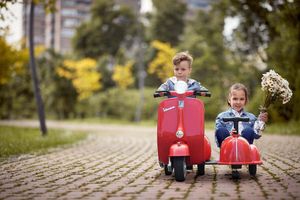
x=174 y=80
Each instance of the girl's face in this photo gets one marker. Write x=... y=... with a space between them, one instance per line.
x=237 y=99
x=182 y=70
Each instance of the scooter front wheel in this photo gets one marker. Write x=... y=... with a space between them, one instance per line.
x=179 y=168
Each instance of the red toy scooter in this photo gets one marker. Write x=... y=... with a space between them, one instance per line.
x=236 y=151
x=181 y=141
x=180 y=132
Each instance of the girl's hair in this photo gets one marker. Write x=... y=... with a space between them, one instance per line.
x=237 y=86
x=182 y=56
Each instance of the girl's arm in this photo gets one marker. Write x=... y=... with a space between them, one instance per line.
x=260 y=123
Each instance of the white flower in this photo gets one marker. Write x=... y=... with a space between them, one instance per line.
x=276 y=88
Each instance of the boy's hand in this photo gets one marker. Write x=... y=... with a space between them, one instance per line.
x=263 y=116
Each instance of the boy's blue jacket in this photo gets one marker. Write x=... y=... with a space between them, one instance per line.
x=170 y=83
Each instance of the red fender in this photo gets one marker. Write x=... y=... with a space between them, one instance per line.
x=179 y=149
x=207 y=148
x=255 y=154
x=237 y=151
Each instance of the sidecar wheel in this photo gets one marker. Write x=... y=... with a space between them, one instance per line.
x=167 y=172
x=201 y=169
x=179 y=168
x=252 y=170
x=235 y=174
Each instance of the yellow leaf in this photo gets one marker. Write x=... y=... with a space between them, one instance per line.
x=162 y=65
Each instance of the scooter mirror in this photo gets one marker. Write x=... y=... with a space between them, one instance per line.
x=181 y=87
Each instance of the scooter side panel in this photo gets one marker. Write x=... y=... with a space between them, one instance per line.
x=167 y=121
x=193 y=115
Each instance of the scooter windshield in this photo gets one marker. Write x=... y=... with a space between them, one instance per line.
x=180 y=87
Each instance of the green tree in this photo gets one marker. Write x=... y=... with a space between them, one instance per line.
x=60 y=96
x=123 y=75
x=168 y=21
x=162 y=65
x=110 y=26
x=15 y=91
x=8 y=62
x=273 y=26
x=83 y=74
x=215 y=65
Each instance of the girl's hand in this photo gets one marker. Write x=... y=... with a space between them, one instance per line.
x=263 y=116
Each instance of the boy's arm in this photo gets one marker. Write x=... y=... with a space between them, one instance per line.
x=163 y=87
x=196 y=86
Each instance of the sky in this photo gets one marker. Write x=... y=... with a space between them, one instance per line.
x=14 y=20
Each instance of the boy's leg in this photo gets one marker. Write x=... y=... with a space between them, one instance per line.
x=250 y=135
x=221 y=134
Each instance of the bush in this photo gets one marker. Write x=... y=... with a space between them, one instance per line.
x=118 y=104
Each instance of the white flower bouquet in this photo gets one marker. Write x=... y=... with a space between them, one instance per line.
x=276 y=88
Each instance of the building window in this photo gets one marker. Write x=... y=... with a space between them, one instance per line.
x=66 y=32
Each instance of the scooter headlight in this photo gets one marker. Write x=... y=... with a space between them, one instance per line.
x=179 y=134
x=180 y=87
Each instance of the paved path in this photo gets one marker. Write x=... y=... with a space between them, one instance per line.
x=120 y=162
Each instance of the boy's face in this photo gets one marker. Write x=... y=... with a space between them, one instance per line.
x=237 y=100
x=182 y=70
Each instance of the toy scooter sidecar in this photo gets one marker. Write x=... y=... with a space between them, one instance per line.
x=180 y=133
x=236 y=151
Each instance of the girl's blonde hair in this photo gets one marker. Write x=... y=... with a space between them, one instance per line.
x=238 y=86
x=183 y=56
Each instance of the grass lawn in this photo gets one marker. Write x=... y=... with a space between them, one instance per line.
x=18 y=140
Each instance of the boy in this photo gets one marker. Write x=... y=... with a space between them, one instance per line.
x=182 y=63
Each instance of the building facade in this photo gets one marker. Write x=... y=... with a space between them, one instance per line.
x=56 y=30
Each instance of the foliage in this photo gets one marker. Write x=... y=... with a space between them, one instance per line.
x=58 y=93
x=272 y=27
x=162 y=64
x=116 y=103
x=123 y=75
x=11 y=61
x=16 y=141
x=110 y=26
x=83 y=74
x=168 y=21
x=16 y=97
x=268 y=32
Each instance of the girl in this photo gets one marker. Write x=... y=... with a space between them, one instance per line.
x=237 y=99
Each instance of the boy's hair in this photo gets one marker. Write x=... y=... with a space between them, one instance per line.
x=238 y=86
x=182 y=56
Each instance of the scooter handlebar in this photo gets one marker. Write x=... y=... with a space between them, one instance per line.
x=204 y=93
x=161 y=94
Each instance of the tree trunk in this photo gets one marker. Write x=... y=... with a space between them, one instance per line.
x=36 y=89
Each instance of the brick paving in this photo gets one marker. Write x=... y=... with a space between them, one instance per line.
x=120 y=162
